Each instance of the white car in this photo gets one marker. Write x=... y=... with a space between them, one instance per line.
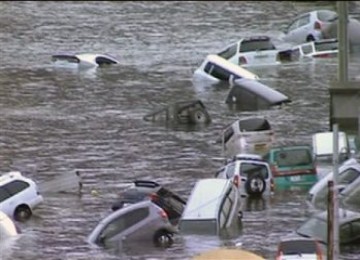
x=309 y=26
x=299 y=248
x=348 y=172
x=327 y=48
x=83 y=60
x=19 y=196
x=7 y=227
x=217 y=69
x=251 y=51
x=247 y=135
x=250 y=173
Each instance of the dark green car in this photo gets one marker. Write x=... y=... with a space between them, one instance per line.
x=292 y=165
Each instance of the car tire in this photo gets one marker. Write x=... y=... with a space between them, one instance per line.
x=198 y=116
x=255 y=185
x=22 y=213
x=310 y=38
x=163 y=238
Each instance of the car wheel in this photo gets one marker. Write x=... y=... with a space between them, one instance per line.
x=22 y=213
x=310 y=38
x=255 y=185
x=163 y=238
x=199 y=116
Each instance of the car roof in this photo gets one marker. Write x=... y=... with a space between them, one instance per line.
x=271 y=95
x=6 y=177
x=236 y=69
x=204 y=198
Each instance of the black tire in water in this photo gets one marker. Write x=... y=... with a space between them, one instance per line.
x=22 y=213
x=255 y=185
x=163 y=238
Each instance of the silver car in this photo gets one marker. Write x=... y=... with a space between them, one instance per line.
x=142 y=221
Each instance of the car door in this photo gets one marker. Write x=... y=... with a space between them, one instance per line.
x=299 y=30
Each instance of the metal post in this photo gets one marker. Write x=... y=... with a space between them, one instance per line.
x=343 y=41
x=335 y=192
x=330 y=221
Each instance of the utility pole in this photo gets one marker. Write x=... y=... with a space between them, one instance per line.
x=335 y=208
x=343 y=41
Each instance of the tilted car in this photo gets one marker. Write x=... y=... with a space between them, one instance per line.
x=19 y=195
x=142 y=221
x=309 y=26
x=140 y=190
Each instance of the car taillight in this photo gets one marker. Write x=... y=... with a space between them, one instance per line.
x=242 y=60
x=317 y=25
x=279 y=255
x=272 y=185
x=163 y=214
x=236 y=180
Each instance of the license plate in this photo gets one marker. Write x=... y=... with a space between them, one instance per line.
x=295 y=178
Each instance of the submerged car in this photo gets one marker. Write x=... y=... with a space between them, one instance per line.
x=348 y=173
x=252 y=135
x=299 y=248
x=247 y=94
x=251 y=51
x=309 y=26
x=250 y=173
x=19 y=195
x=141 y=190
x=327 y=48
x=216 y=69
x=292 y=165
x=316 y=227
x=142 y=221
x=83 y=60
x=213 y=205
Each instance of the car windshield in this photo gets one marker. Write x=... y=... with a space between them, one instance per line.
x=254 y=168
x=326 y=46
x=315 y=228
x=291 y=158
x=256 y=45
x=295 y=247
x=254 y=124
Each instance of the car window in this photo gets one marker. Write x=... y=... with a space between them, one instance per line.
x=293 y=26
x=230 y=170
x=298 y=246
x=326 y=16
x=123 y=222
x=307 y=48
x=348 y=176
x=228 y=52
x=254 y=124
x=217 y=72
x=248 y=168
x=4 y=194
x=304 y=20
x=16 y=186
x=256 y=45
x=228 y=133
x=326 y=46
x=291 y=158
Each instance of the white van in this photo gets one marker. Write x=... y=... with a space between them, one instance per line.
x=322 y=144
x=216 y=69
x=212 y=206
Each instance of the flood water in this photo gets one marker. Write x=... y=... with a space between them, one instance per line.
x=55 y=121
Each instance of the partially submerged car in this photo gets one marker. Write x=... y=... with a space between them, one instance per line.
x=142 y=221
x=348 y=173
x=19 y=195
x=216 y=69
x=292 y=165
x=250 y=173
x=316 y=227
x=246 y=94
x=299 y=248
x=309 y=26
x=247 y=135
x=323 y=150
x=251 y=51
x=141 y=190
x=183 y=112
x=83 y=59
x=213 y=205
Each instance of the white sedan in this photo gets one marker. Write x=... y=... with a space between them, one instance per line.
x=83 y=60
